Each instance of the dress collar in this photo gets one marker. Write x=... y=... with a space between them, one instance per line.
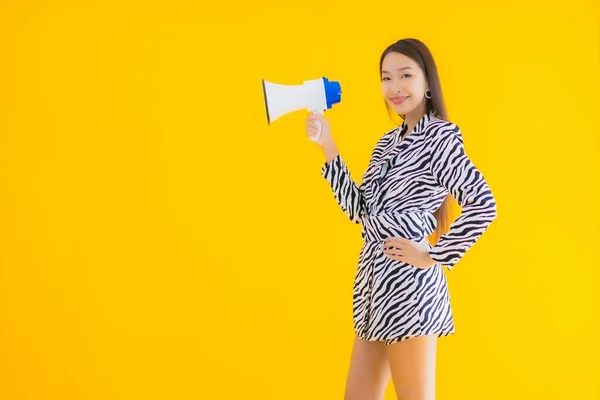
x=421 y=124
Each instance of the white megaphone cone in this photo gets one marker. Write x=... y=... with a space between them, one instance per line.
x=315 y=95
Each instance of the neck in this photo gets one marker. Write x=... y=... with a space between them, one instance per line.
x=414 y=117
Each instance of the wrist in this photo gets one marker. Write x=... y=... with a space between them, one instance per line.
x=330 y=150
x=328 y=145
x=430 y=261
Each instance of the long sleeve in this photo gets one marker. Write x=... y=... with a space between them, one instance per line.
x=348 y=194
x=453 y=169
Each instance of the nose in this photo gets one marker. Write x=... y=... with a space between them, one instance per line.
x=396 y=87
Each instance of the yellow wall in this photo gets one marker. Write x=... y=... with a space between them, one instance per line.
x=160 y=241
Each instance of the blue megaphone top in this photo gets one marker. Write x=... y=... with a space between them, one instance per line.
x=333 y=92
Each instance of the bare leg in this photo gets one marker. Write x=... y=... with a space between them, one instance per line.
x=413 y=363
x=369 y=373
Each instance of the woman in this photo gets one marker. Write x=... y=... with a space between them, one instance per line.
x=401 y=303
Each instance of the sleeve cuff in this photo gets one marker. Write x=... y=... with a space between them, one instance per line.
x=327 y=166
x=437 y=255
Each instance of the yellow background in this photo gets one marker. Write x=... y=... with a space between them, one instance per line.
x=160 y=241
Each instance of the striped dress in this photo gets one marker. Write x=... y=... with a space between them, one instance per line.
x=407 y=179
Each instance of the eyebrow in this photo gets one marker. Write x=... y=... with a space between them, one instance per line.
x=399 y=69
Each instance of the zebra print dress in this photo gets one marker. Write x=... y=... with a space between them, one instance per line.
x=404 y=184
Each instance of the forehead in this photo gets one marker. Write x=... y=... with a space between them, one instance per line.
x=392 y=61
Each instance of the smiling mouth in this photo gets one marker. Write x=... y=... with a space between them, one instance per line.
x=399 y=100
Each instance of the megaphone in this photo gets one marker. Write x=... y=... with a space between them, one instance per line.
x=315 y=95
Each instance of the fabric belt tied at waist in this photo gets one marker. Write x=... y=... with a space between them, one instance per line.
x=415 y=225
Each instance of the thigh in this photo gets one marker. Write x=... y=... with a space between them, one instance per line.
x=369 y=372
x=413 y=364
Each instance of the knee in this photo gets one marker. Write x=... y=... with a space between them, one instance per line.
x=411 y=393
x=364 y=394
x=356 y=396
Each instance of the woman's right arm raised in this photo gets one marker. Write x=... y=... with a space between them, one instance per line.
x=347 y=193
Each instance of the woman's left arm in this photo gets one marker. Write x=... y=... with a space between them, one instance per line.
x=454 y=170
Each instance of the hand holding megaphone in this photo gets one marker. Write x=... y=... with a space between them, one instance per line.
x=317 y=128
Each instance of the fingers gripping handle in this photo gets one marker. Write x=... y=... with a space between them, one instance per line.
x=317 y=136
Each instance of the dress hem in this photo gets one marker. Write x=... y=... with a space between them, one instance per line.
x=388 y=341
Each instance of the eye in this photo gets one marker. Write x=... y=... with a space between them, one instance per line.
x=385 y=78
x=408 y=75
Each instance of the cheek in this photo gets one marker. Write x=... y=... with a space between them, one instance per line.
x=385 y=88
x=419 y=88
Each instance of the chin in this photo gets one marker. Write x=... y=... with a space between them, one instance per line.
x=401 y=109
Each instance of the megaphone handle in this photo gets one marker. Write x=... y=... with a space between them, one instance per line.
x=318 y=135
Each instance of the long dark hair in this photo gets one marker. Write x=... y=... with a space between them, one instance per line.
x=419 y=52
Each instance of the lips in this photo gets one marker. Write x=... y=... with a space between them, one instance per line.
x=399 y=99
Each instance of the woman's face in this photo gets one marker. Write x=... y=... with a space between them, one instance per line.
x=403 y=83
